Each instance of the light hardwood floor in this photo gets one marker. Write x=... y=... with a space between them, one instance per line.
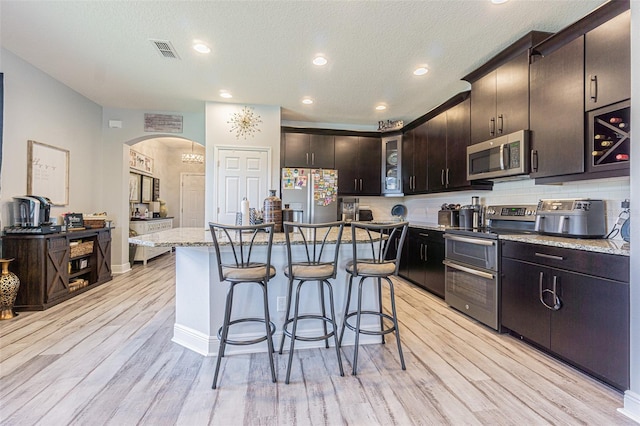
x=106 y=357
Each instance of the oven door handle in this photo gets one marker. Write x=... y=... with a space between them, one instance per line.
x=477 y=241
x=469 y=270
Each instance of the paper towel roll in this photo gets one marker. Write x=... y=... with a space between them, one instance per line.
x=244 y=209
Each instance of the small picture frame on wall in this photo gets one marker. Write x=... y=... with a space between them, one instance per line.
x=147 y=189
x=134 y=187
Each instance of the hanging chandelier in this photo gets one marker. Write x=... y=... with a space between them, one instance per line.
x=192 y=157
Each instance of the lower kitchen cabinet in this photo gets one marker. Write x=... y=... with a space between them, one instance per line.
x=572 y=303
x=422 y=257
x=149 y=226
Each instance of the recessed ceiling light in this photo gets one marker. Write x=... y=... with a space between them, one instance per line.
x=420 y=71
x=499 y=1
x=225 y=94
x=319 y=60
x=307 y=101
x=381 y=107
x=200 y=47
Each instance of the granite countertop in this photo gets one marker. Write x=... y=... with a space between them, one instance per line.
x=601 y=245
x=198 y=237
x=148 y=219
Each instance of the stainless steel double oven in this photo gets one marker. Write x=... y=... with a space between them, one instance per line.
x=472 y=260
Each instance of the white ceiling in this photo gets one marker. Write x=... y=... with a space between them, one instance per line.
x=262 y=50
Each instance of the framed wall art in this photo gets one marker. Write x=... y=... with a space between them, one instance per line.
x=147 y=189
x=134 y=187
x=48 y=172
x=140 y=162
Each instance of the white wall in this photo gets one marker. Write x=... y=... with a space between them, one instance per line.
x=37 y=107
x=115 y=174
x=218 y=135
x=632 y=396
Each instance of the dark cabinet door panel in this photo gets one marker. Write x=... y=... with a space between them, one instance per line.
x=608 y=63
x=483 y=108
x=591 y=327
x=557 y=115
x=370 y=159
x=346 y=153
x=437 y=153
x=522 y=311
x=296 y=150
x=458 y=138
x=512 y=95
x=321 y=152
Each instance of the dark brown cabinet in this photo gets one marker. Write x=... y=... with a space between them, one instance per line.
x=414 y=160
x=422 y=259
x=573 y=303
x=557 y=116
x=500 y=100
x=358 y=161
x=448 y=138
x=608 y=63
x=308 y=151
x=50 y=271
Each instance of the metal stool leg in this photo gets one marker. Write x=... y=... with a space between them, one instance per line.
x=225 y=333
x=267 y=324
x=346 y=309
x=359 y=314
x=395 y=323
x=335 y=327
x=324 y=313
x=294 y=326
x=380 y=308
x=286 y=314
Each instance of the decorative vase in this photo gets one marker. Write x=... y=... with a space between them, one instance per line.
x=273 y=210
x=9 y=284
x=163 y=208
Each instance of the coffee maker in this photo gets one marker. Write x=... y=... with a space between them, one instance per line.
x=31 y=211
x=349 y=208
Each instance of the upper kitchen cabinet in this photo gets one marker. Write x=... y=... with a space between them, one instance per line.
x=579 y=99
x=308 y=150
x=500 y=91
x=392 y=164
x=414 y=160
x=448 y=137
x=357 y=159
x=608 y=63
x=557 y=116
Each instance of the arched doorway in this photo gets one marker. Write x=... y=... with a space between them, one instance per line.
x=173 y=166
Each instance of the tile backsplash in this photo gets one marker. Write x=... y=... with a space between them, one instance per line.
x=424 y=208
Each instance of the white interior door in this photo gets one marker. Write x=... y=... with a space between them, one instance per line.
x=192 y=200
x=241 y=173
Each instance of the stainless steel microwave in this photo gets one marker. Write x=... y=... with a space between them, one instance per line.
x=504 y=156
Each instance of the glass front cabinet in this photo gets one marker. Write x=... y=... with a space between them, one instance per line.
x=391 y=165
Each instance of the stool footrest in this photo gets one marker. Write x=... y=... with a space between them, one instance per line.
x=272 y=328
x=309 y=338
x=370 y=332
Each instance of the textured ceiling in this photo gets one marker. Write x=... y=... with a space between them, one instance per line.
x=262 y=51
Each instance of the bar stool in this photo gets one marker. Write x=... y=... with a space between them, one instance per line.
x=235 y=246
x=311 y=261
x=382 y=263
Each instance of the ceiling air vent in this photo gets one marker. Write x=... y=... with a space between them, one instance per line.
x=165 y=49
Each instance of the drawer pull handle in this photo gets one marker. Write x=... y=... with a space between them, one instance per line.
x=549 y=256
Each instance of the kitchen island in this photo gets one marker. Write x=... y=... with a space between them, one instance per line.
x=200 y=296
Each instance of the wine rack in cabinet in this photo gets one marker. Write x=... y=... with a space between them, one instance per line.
x=610 y=137
x=56 y=267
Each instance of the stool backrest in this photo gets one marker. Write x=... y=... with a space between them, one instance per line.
x=242 y=243
x=311 y=240
x=380 y=238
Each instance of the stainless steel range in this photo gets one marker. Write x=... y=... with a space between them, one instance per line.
x=472 y=275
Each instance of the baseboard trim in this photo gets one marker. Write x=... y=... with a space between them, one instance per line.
x=631 y=407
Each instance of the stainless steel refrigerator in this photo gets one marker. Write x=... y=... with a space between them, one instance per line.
x=311 y=193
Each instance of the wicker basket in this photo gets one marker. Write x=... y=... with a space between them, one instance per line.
x=94 y=223
x=82 y=249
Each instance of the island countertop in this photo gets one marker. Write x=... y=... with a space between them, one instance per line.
x=199 y=237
